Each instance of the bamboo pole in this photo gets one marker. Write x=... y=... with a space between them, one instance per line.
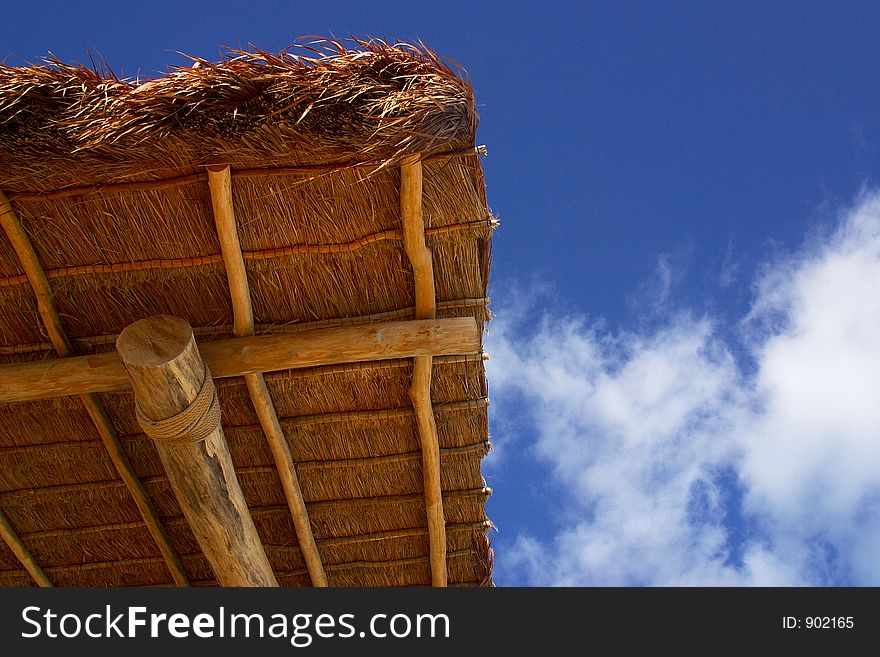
x=239 y=356
x=19 y=549
x=178 y=408
x=220 y=183
x=420 y=389
x=30 y=262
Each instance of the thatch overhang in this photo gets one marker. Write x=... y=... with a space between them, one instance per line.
x=116 y=191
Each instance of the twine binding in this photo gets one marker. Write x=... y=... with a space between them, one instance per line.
x=196 y=422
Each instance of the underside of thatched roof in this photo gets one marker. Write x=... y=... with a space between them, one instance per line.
x=107 y=179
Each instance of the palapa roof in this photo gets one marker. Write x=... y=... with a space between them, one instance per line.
x=108 y=179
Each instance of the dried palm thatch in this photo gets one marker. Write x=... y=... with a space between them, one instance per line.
x=107 y=179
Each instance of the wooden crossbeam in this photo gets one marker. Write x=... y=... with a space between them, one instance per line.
x=420 y=389
x=220 y=183
x=30 y=262
x=263 y=353
x=299 y=327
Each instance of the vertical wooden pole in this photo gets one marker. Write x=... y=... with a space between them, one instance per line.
x=178 y=408
x=420 y=389
x=220 y=184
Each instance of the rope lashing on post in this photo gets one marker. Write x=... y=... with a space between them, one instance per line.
x=196 y=422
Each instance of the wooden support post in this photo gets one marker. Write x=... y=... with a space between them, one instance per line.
x=19 y=549
x=220 y=184
x=30 y=262
x=420 y=389
x=178 y=408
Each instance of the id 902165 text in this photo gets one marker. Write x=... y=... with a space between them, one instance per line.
x=818 y=622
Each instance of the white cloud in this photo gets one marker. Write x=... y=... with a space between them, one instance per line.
x=678 y=468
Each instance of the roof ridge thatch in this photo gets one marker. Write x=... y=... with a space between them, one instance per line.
x=378 y=99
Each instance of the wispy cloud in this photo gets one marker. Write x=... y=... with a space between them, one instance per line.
x=654 y=296
x=679 y=466
x=729 y=267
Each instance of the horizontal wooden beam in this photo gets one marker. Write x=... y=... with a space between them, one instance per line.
x=480 y=304
x=248 y=355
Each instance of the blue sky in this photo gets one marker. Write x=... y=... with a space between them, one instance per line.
x=685 y=358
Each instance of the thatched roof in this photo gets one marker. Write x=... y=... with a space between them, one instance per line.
x=108 y=179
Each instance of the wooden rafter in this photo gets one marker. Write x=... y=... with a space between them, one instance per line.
x=30 y=262
x=220 y=183
x=19 y=549
x=263 y=353
x=420 y=390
